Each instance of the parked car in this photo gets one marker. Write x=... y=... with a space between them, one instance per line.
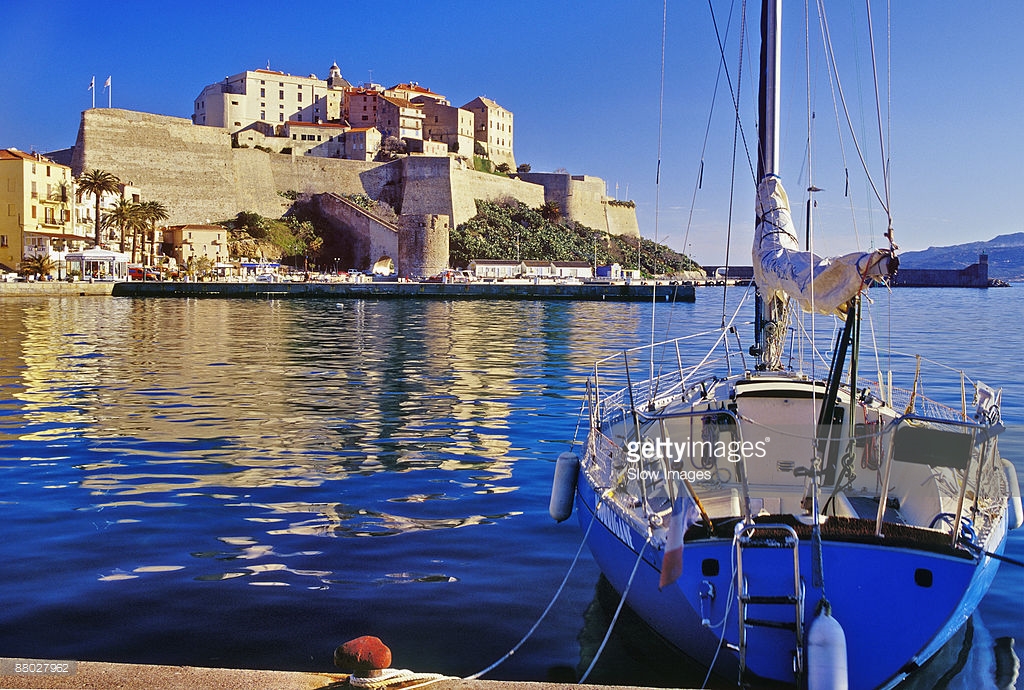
x=143 y=273
x=267 y=278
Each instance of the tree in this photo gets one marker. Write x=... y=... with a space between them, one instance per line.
x=98 y=183
x=38 y=264
x=126 y=216
x=551 y=211
x=523 y=168
x=153 y=212
x=504 y=168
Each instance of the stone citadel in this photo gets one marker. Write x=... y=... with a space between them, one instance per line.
x=200 y=177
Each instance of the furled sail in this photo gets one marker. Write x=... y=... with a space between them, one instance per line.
x=781 y=269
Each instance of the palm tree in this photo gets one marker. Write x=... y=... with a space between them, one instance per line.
x=152 y=213
x=98 y=183
x=127 y=217
x=38 y=264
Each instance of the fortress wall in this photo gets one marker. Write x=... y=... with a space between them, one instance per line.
x=556 y=187
x=423 y=245
x=440 y=186
x=425 y=186
x=368 y=238
x=189 y=169
x=253 y=186
x=622 y=220
x=198 y=177
x=582 y=198
x=312 y=175
x=196 y=174
x=470 y=185
x=586 y=202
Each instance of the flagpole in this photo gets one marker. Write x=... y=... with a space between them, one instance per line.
x=92 y=88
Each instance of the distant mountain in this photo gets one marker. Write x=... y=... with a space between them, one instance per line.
x=1005 y=256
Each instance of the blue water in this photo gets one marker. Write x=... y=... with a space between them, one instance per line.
x=250 y=484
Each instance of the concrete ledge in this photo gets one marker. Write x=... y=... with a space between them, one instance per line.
x=95 y=674
x=54 y=288
x=600 y=292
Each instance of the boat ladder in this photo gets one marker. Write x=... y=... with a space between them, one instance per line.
x=766 y=591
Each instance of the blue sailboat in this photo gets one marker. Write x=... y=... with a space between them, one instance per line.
x=780 y=527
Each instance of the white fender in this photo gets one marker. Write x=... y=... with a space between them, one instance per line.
x=563 y=487
x=1014 y=512
x=826 y=654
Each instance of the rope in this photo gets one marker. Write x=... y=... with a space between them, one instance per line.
x=725 y=614
x=547 y=610
x=395 y=676
x=618 y=610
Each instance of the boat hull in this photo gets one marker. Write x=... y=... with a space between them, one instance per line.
x=897 y=606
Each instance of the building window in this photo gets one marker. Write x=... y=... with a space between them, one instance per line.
x=280 y=95
x=3 y=240
x=299 y=96
x=281 y=117
x=263 y=93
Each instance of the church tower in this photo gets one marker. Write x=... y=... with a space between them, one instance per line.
x=335 y=80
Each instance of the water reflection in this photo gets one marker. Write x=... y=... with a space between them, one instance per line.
x=269 y=467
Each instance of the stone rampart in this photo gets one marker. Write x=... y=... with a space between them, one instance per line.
x=190 y=169
x=199 y=177
x=368 y=239
x=423 y=243
x=622 y=219
x=973 y=276
x=582 y=199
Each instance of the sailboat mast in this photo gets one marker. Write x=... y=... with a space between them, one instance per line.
x=768 y=146
x=768 y=90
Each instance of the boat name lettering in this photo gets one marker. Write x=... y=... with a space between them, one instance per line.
x=615 y=524
x=666 y=449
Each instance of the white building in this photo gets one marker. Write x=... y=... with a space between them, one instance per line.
x=270 y=97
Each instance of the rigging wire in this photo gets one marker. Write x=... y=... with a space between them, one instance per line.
x=558 y=592
x=736 y=131
x=733 y=91
x=618 y=610
x=830 y=52
x=657 y=180
x=565 y=580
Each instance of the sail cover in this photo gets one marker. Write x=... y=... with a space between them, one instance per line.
x=781 y=269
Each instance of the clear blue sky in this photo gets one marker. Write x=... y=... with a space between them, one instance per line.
x=582 y=79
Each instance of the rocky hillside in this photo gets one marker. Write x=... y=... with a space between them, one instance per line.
x=1005 y=256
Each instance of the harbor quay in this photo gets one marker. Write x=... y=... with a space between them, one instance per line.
x=114 y=676
x=512 y=291
x=600 y=292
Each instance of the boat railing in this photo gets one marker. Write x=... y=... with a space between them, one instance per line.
x=940 y=442
x=641 y=376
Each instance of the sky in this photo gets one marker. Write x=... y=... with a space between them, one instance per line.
x=584 y=80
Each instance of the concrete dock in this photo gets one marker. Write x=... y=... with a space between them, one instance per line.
x=96 y=675
x=599 y=292
x=594 y=292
